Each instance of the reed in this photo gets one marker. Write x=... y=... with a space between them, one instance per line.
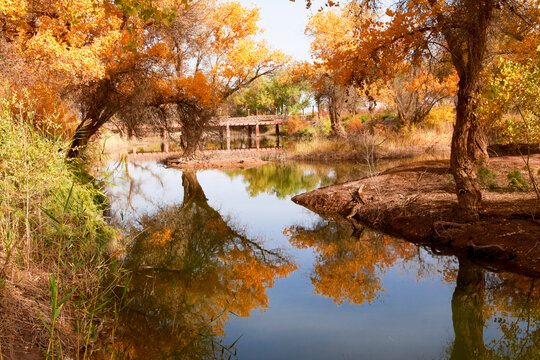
x=56 y=273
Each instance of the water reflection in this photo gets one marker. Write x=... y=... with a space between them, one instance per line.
x=192 y=270
x=281 y=180
x=198 y=277
x=351 y=264
x=291 y=178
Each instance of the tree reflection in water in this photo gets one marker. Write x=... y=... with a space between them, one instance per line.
x=191 y=271
x=351 y=263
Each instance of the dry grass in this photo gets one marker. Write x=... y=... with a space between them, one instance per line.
x=369 y=145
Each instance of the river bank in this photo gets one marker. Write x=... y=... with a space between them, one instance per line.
x=57 y=271
x=417 y=202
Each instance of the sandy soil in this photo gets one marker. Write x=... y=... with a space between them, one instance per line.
x=417 y=202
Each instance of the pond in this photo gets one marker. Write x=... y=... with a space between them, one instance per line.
x=225 y=265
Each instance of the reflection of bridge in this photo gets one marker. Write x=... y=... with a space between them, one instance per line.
x=164 y=154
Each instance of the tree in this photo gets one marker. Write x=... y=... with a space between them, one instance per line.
x=464 y=29
x=110 y=58
x=92 y=57
x=330 y=30
x=224 y=59
x=417 y=89
x=275 y=94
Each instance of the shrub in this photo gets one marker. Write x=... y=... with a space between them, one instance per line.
x=357 y=123
x=440 y=116
x=486 y=177
x=516 y=181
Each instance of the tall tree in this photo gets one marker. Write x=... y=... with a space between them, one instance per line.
x=331 y=30
x=465 y=29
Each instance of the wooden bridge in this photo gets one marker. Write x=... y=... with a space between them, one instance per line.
x=251 y=122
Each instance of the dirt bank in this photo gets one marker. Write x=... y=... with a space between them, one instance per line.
x=417 y=202
x=224 y=160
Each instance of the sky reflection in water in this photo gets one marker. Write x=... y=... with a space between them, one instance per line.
x=217 y=242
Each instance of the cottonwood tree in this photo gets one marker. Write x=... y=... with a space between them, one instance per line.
x=108 y=57
x=330 y=30
x=222 y=58
x=90 y=56
x=465 y=29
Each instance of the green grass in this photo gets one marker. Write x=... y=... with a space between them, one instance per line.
x=54 y=237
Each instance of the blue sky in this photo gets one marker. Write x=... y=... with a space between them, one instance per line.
x=285 y=22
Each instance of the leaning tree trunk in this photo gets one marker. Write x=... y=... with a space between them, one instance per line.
x=98 y=106
x=86 y=129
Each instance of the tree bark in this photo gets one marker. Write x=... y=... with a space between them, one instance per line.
x=466 y=34
x=468 y=150
x=335 y=120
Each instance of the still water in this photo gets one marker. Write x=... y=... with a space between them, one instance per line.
x=225 y=265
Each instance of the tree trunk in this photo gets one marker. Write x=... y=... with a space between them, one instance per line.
x=335 y=120
x=193 y=118
x=191 y=138
x=83 y=133
x=469 y=149
x=97 y=107
x=467 y=39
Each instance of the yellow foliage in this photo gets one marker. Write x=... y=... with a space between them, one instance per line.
x=198 y=88
x=440 y=116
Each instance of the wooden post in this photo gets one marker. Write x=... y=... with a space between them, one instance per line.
x=228 y=137
x=164 y=140
x=220 y=138
x=250 y=135
x=277 y=135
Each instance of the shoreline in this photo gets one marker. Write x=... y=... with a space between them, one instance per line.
x=416 y=202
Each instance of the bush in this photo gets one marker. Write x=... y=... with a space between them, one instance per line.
x=297 y=126
x=356 y=123
x=516 y=181
x=440 y=116
x=486 y=177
